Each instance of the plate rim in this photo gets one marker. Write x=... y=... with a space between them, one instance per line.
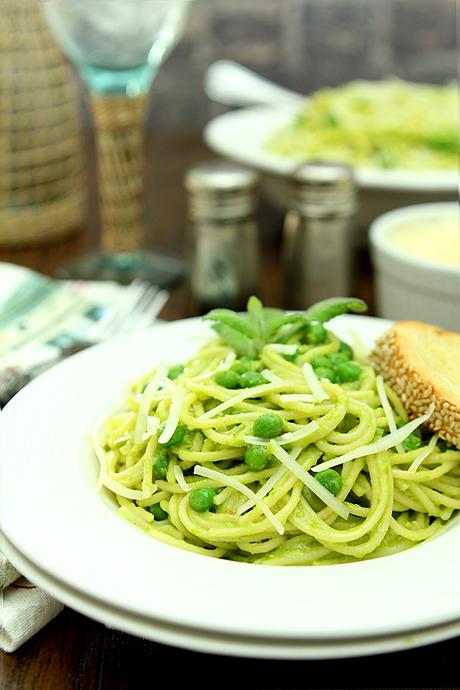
x=229 y=645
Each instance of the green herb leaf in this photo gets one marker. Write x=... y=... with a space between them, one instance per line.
x=242 y=324
x=334 y=306
x=247 y=333
x=240 y=343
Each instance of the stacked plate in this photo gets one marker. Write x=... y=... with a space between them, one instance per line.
x=68 y=539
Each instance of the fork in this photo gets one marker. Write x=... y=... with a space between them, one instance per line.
x=135 y=311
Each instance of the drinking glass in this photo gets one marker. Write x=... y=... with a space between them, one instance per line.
x=118 y=47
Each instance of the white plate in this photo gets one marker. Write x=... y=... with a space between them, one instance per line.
x=212 y=643
x=242 y=134
x=52 y=514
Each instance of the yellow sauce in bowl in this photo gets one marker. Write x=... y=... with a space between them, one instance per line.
x=435 y=238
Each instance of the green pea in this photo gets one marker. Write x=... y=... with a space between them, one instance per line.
x=160 y=466
x=331 y=480
x=268 y=425
x=227 y=379
x=176 y=438
x=256 y=457
x=345 y=349
x=251 y=378
x=337 y=358
x=245 y=363
x=412 y=442
x=325 y=373
x=202 y=499
x=175 y=371
x=348 y=371
x=315 y=333
x=158 y=512
x=321 y=361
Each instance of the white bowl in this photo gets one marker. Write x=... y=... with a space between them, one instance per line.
x=408 y=286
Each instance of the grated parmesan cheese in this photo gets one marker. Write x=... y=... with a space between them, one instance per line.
x=180 y=479
x=152 y=425
x=147 y=399
x=424 y=453
x=255 y=441
x=225 y=365
x=282 y=349
x=313 y=484
x=297 y=397
x=270 y=376
x=270 y=483
x=174 y=415
x=313 y=381
x=385 y=443
x=287 y=437
x=387 y=408
x=299 y=435
x=239 y=397
x=228 y=480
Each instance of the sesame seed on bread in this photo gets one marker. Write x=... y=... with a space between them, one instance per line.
x=421 y=363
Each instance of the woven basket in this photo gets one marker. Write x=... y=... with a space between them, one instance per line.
x=41 y=180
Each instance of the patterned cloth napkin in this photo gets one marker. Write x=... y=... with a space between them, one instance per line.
x=42 y=321
x=25 y=610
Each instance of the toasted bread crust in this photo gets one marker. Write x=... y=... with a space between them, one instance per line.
x=417 y=361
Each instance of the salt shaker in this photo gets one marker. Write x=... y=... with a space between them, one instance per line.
x=317 y=239
x=222 y=204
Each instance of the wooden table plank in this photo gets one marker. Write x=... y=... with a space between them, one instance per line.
x=66 y=654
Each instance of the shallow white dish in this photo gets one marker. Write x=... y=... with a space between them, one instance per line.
x=231 y=645
x=52 y=515
x=242 y=134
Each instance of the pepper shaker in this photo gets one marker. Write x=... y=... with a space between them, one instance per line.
x=222 y=204
x=316 y=236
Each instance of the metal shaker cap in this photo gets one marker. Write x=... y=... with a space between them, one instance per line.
x=323 y=187
x=221 y=190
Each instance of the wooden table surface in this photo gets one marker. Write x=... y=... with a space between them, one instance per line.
x=76 y=653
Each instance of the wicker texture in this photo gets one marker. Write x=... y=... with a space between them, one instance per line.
x=41 y=181
x=119 y=125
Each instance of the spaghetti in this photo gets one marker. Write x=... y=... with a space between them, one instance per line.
x=179 y=457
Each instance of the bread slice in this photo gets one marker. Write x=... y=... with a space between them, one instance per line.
x=421 y=364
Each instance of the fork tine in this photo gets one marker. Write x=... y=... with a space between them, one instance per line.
x=157 y=304
x=110 y=323
x=136 y=318
x=153 y=306
x=135 y=311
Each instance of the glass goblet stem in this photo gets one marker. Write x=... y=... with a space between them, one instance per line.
x=119 y=128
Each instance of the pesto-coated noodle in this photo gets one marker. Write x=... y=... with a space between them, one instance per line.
x=280 y=513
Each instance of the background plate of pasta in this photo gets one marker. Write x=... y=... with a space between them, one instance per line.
x=245 y=474
x=397 y=135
